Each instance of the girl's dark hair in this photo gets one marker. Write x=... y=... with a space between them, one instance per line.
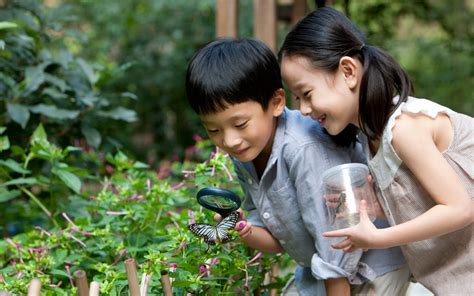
x=229 y=71
x=324 y=37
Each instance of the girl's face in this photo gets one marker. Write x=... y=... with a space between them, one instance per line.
x=331 y=99
x=245 y=130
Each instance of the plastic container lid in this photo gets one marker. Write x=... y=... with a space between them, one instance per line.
x=356 y=172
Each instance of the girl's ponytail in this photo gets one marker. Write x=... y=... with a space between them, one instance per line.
x=383 y=79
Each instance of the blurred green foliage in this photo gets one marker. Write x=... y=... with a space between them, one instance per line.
x=149 y=43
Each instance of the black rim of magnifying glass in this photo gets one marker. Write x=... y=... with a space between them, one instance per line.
x=218 y=192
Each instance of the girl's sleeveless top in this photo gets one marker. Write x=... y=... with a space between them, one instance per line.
x=443 y=264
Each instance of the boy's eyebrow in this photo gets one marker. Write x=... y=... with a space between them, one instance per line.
x=234 y=116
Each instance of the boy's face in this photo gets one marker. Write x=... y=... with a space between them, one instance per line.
x=244 y=130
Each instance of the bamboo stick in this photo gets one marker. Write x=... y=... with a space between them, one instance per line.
x=94 y=289
x=166 y=284
x=5 y=293
x=35 y=287
x=131 y=268
x=81 y=283
x=273 y=276
x=145 y=283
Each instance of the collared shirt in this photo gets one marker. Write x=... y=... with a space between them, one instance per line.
x=288 y=201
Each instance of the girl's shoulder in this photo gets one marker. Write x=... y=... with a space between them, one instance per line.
x=413 y=106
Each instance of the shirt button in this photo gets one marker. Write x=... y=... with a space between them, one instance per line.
x=250 y=181
x=266 y=215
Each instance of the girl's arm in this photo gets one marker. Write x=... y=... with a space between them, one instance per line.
x=417 y=140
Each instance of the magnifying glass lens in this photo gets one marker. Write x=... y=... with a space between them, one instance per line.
x=219 y=202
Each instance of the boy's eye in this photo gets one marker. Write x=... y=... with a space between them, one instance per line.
x=212 y=131
x=306 y=93
x=242 y=125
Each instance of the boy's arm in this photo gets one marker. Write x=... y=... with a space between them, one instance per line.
x=261 y=239
x=337 y=287
x=306 y=167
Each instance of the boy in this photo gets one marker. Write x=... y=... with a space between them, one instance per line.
x=234 y=85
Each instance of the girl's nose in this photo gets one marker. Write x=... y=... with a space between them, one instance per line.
x=305 y=108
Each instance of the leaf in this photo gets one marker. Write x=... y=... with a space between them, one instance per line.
x=7 y=195
x=7 y=25
x=71 y=180
x=120 y=113
x=34 y=77
x=20 y=181
x=4 y=143
x=129 y=95
x=2 y=44
x=18 y=113
x=54 y=93
x=88 y=70
x=54 y=112
x=93 y=136
x=39 y=135
x=2 y=129
x=14 y=166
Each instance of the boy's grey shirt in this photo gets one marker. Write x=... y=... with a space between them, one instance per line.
x=288 y=202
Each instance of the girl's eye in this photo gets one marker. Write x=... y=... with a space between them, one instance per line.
x=242 y=125
x=212 y=131
x=306 y=93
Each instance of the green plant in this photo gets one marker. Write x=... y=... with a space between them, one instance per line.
x=135 y=215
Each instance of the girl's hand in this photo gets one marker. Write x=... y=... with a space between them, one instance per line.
x=243 y=227
x=362 y=236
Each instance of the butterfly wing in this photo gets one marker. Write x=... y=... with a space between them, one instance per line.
x=213 y=233
x=223 y=227
x=206 y=231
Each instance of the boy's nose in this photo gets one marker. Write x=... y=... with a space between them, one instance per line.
x=232 y=140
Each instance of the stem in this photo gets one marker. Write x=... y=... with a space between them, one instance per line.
x=40 y=204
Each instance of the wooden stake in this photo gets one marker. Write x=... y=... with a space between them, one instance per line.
x=166 y=284
x=145 y=283
x=131 y=268
x=81 y=282
x=35 y=288
x=94 y=289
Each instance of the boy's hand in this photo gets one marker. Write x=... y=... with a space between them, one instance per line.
x=243 y=227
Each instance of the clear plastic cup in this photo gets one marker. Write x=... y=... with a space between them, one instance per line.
x=345 y=186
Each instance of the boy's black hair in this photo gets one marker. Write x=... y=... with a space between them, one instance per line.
x=229 y=71
x=324 y=37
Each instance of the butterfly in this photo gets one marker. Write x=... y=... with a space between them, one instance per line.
x=216 y=233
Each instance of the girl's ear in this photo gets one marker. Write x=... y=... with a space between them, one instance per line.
x=278 y=102
x=351 y=71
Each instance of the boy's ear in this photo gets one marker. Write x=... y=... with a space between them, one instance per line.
x=278 y=102
x=349 y=68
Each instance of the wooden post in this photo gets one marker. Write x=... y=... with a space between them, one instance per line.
x=81 y=283
x=35 y=288
x=227 y=12
x=299 y=10
x=166 y=284
x=132 y=277
x=94 y=289
x=265 y=22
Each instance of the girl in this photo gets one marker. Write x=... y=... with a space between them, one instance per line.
x=420 y=153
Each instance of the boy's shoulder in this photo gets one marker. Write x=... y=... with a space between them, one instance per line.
x=301 y=130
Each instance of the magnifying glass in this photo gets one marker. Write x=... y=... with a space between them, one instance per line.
x=221 y=201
